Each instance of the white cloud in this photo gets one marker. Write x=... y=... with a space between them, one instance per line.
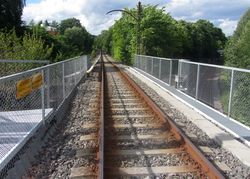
x=223 y=13
x=92 y=14
x=228 y=26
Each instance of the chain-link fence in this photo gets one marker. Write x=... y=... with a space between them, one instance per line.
x=162 y=68
x=225 y=89
x=8 y=67
x=28 y=98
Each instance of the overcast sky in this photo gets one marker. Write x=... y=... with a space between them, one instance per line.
x=223 y=13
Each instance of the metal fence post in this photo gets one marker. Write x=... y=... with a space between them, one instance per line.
x=230 y=94
x=48 y=87
x=82 y=62
x=43 y=98
x=74 y=61
x=63 y=81
x=179 y=73
x=170 y=73
x=138 y=59
x=137 y=62
x=160 y=69
x=152 y=66
x=197 y=82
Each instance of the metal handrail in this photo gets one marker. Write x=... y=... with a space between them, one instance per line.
x=23 y=61
x=12 y=76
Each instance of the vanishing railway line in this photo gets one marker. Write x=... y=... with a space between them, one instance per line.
x=126 y=135
x=139 y=140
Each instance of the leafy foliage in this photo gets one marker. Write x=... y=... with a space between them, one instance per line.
x=10 y=14
x=161 y=35
x=237 y=49
x=69 y=23
x=73 y=41
x=237 y=54
x=29 y=47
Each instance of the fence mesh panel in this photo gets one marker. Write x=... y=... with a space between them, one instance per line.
x=144 y=64
x=240 y=108
x=55 y=85
x=214 y=87
x=165 y=70
x=19 y=116
x=156 y=67
x=69 y=77
x=174 y=71
x=188 y=78
x=8 y=67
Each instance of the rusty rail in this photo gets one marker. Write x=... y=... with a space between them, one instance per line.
x=206 y=166
x=101 y=122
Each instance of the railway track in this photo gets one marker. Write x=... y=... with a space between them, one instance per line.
x=126 y=135
x=140 y=141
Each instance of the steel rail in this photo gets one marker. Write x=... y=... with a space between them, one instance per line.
x=101 y=122
x=206 y=166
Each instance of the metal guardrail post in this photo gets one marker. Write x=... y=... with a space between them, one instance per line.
x=135 y=63
x=152 y=66
x=230 y=94
x=74 y=61
x=82 y=67
x=48 y=87
x=160 y=69
x=63 y=81
x=197 y=82
x=138 y=60
x=170 y=73
x=179 y=73
x=43 y=98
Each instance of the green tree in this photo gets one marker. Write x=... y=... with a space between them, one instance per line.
x=103 y=41
x=28 y=47
x=161 y=35
x=237 y=52
x=10 y=14
x=69 y=23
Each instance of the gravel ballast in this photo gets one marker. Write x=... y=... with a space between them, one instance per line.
x=59 y=155
x=199 y=138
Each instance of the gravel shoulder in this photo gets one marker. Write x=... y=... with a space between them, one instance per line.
x=61 y=151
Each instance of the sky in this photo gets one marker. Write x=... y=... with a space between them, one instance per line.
x=92 y=13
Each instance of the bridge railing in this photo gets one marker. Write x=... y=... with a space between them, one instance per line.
x=9 y=67
x=28 y=98
x=225 y=89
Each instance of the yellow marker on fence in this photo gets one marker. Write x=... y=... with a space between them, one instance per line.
x=37 y=81
x=23 y=88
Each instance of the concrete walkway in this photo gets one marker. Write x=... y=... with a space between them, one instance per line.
x=230 y=125
x=15 y=127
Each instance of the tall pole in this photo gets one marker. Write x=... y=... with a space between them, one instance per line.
x=137 y=18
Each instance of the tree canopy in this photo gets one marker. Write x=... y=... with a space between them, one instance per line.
x=237 y=51
x=71 y=39
x=69 y=23
x=10 y=14
x=162 y=35
x=28 y=47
